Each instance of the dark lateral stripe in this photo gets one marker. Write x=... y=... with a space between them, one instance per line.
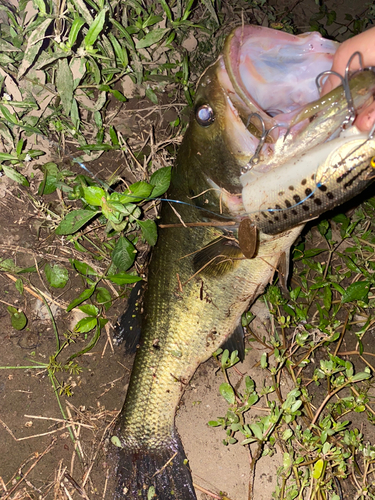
x=355 y=177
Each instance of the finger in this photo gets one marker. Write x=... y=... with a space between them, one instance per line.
x=363 y=43
x=366 y=118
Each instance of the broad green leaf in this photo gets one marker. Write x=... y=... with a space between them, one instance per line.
x=15 y=176
x=121 y=52
x=123 y=278
x=149 y=231
x=123 y=255
x=103 y=296
x=74 y=221
x=57 y=276
x=10 y=117
x=257 y=431
x=227 y=392
x=17 y=318
x=89 y=309
x=83 y=268
x=34 y=44
x=318 y=468
x=160 y=180
x=86 y=294
x=95 y=28
x=136 y=192
x=75 y=29
x=7 y=156
x=360 y=376
x=151 y=38
x=64 y=85
x=51 y=176
x=94 y=195
x=85 y=325
x=356 y=291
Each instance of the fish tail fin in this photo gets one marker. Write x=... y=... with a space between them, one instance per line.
x=159 y=473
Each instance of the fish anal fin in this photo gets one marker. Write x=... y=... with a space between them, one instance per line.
x=217 y=258
x=161 y=470
x=235 y=342
x=128 y=326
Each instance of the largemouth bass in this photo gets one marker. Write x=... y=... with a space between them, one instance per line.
x=199 y=281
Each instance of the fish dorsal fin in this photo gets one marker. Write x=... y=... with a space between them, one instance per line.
x=217 y=258
x=128 y=326
x=235 y=342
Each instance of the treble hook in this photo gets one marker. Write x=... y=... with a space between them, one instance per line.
x=350 y=117
x=256 y=156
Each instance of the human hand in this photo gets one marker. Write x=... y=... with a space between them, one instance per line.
x=365 y=44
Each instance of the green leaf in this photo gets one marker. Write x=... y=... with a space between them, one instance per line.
x=86 y=294
x=15 y=176
x=34 y=44
x=318 y=468
x=10 y=117
x=227 y=392
x=356 y=291
x=57 y=276
x=103 y=296
x=95 y=28
x=64 y=85
x=74 y=221
x=257 y=431
x=19 y=286
x=136 y=192
x=360 y=376
x=160 y=180
x=51 y=177
x=150 y=94
x=123 y=278
x=94 y=195
x=123 y=255
x=84 y=268
x=151 y=38
x=75 y=29
x=17 y=318
x=92 y=342
x=85 y=325
x=89 y=309
x=7 y=156
x=149 y=231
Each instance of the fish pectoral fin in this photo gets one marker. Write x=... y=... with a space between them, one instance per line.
x=160 y=472
x=128 y=326
x=283 y=271
x=235 y=342
x=218 y=258
x=248 y=238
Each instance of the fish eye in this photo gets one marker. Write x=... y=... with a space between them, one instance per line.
x=372 y=163
x=204 y=115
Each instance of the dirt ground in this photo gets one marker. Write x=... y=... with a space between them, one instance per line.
x=36 y=444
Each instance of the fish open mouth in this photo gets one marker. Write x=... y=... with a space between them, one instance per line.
x=273 y=73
